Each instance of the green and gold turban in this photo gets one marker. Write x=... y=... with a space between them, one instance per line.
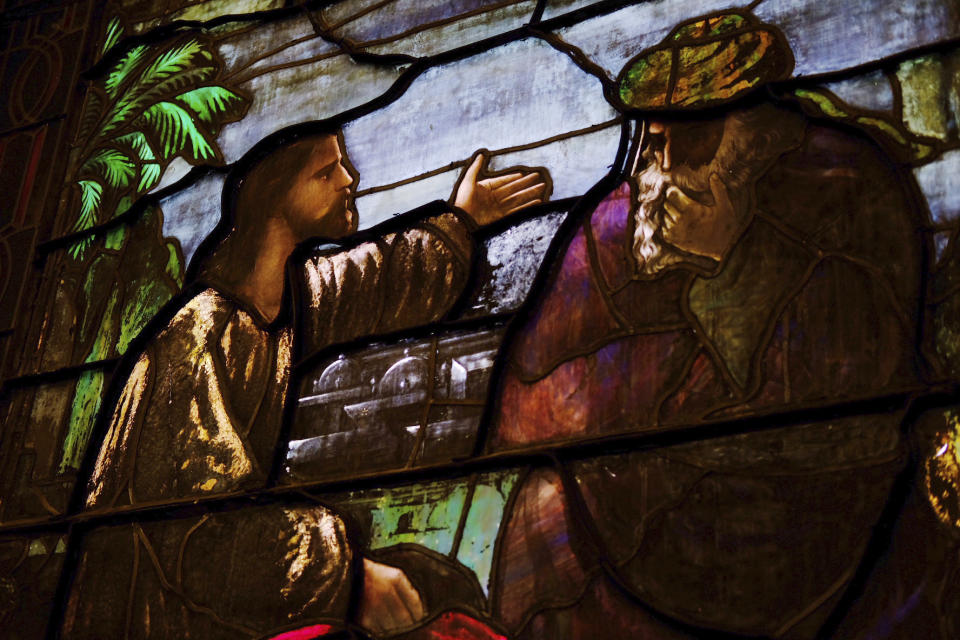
x=704 y=62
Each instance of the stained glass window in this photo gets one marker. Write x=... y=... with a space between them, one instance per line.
x=476 y=320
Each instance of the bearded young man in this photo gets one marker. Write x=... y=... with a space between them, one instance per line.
x=749 y=262
x=200 y=412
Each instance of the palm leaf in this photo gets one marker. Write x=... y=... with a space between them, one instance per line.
x=173 y=61
x=207 y=102
x=113 y=165
x=78 y=248
x=90 y=192
x=114 y=31
x=139 y=144
x=137 y=98
x=92 y=111
x=149 y=176
x=123 y=70
x=145 y=128
x=170 y=71
x=176 y=129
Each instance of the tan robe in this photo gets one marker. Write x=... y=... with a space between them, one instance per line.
x=200 y=414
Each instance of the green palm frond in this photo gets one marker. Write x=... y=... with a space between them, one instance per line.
x=149 y=176
x=139 y=144
x=208 y=102
x=176 y=129
x=90 y=194
x=114 y=31
x=78 y=248
x=132 y=103
x=113 y=165
x=93 y=107
x=173 y=61
x=188 y=63
x=125 y=69
x=156 y=103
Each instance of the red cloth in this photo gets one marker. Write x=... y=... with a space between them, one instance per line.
x=304 y=633
x=448 y=626
x=454 y=626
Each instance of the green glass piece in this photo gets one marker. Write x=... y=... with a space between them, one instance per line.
x=83 y=413
x=90 y=194
x=162 y=108
x=208 y=102
x=883 y=126
x=113 y=165
x=78 y=248
x=177 y=129
x=114 y=31
x=183 y=65
x=174 y=266
x=924 y=88
x=139 y=143
x=712 y=27
x=424 y=514
x=174 y=61
x=429 y=514
x=37 y=548
x=483 y=523
x=141 y=306
x=89 y=389
x=899 y=142
x=149 y=176
x=823 y=102
x=114 y=238
x=123 y=70
x=722 y=69
x=711 y=60
x=646 y=81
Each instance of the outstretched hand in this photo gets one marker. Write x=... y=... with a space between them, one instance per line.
x=491 y=199
x=388 y=602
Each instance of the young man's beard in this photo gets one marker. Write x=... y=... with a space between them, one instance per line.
x=337 y=223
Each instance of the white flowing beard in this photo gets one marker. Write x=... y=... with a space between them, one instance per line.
x=652 y=257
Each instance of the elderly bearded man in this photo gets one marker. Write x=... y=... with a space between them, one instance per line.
x=200 y=412
x=749 y=262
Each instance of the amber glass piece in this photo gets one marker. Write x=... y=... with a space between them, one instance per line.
x=706 y=61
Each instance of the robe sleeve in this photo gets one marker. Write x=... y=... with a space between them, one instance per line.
x=230 y=574
x=110 y=470
x=402 y=280
x=174 y=432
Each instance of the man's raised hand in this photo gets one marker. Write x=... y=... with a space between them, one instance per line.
x=490 y=199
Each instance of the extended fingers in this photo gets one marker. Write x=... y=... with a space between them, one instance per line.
x=524 y=196
x=498 y=181
x=516 y=182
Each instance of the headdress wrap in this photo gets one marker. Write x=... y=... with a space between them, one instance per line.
x=704 y=62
